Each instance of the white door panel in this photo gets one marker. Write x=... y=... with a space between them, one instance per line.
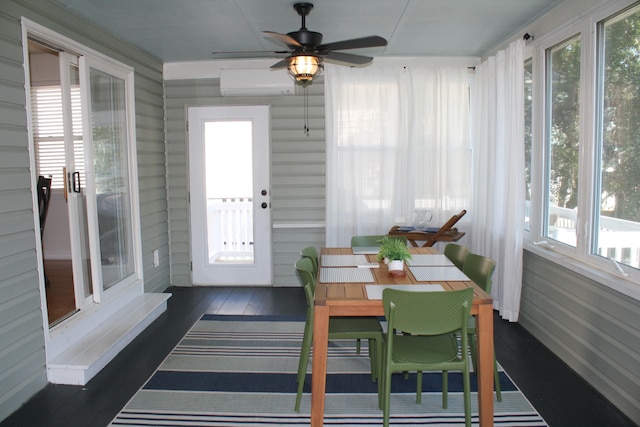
x=230 y=195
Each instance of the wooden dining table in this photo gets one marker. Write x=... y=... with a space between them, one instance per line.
x=350 y=299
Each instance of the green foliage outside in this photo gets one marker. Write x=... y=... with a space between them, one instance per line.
x=618 y=124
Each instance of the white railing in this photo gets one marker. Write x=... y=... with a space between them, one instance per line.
x=230 y=229
x=618 y=239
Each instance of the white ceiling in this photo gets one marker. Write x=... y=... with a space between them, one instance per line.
x=190 y=30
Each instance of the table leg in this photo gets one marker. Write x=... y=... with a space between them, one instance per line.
x=484 y=331
x=319 y=364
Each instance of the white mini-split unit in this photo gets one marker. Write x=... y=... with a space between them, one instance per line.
x=256 y=82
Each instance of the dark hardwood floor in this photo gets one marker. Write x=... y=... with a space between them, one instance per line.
x=563 y=398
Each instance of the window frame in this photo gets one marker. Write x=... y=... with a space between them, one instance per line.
x=579 y=258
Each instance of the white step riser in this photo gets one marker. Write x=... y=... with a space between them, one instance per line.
x=81 y=362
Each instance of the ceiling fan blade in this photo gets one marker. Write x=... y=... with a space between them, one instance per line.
x=281 y=64
x=282 y=38
x=371 y=41
x=252 y=53
x=349 y=58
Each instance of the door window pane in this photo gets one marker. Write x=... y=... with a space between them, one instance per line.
x=110 y=150
x=563 y=93
x=617 y=232
x=229 y=189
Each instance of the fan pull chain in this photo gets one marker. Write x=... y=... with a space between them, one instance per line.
x=306 y=111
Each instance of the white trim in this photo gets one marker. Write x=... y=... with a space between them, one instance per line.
x=611 y=279
x=32 y=28
x=211 y=69
x=63 y=335
x=291 y=225
x=576 y=258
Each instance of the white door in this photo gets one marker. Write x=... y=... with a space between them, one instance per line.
x=111 y=185
x=83 y=138
x=230 y=195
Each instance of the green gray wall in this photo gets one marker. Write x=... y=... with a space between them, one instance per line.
x=592 y=328
x=22 y=354
x=297 y=172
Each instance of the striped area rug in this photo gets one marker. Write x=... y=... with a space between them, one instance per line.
x=241 y=371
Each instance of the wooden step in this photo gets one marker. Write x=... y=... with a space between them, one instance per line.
x=86 y=357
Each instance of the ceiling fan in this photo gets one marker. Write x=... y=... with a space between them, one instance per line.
x=307 y=52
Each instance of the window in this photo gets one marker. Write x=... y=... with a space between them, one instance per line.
x=616 y=228
x=528 y=135
x=582 y=103
x=562 y=140
x=48 y=131
x=398 y=143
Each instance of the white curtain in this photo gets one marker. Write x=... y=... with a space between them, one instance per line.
x=397 y=140
x=498 y=172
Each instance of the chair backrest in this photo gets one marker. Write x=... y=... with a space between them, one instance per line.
x=456 y=254
x=372 y=241
x=427 y=313
x=304 y=269
x=479 y=269
x=445 y=227
x=312 y=253
x=44 y=197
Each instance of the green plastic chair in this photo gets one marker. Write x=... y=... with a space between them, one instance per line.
x=456 y=254
x=430 y=322
x=312 y=253
x=339 y=328
x=480 y=269
x=373 y=241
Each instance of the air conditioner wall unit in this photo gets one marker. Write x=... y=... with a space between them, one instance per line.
x=255 y=82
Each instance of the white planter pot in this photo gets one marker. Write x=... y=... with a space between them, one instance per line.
x=396 y=265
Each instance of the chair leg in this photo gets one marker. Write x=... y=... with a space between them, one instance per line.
x=445 y=389
x=303 y=362
x=474 y=352
x=386 y=397
x=378 y=362
x=496 y=378
x=419 y=387
x=373 y=359
x=358 y=346
x=466 y=384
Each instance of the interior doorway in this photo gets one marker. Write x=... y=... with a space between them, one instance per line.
x=57 y=133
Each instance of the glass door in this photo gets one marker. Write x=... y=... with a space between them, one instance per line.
x=109 y=134
x=75 y=178
x=56 y=120
x=229 y=184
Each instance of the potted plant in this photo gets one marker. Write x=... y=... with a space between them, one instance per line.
x=394 y=252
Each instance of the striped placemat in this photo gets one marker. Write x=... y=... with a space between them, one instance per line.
x=430 y=260
x=429 y=274
x=375 y=291
x=346 y=275
x=367 y=250
x=343 y=260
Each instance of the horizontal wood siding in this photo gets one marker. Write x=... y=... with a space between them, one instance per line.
x=297 y=172
x=592 y=328
x=22 y=353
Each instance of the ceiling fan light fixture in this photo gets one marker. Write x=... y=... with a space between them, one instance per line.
x=304 y=68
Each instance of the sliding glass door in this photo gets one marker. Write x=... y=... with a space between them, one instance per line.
x=109 y=137
x=84 y=141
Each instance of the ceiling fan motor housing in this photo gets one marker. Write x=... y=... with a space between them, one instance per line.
x=307 y=38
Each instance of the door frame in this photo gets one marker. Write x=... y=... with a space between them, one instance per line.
x=64 y=334
x=261 y=271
